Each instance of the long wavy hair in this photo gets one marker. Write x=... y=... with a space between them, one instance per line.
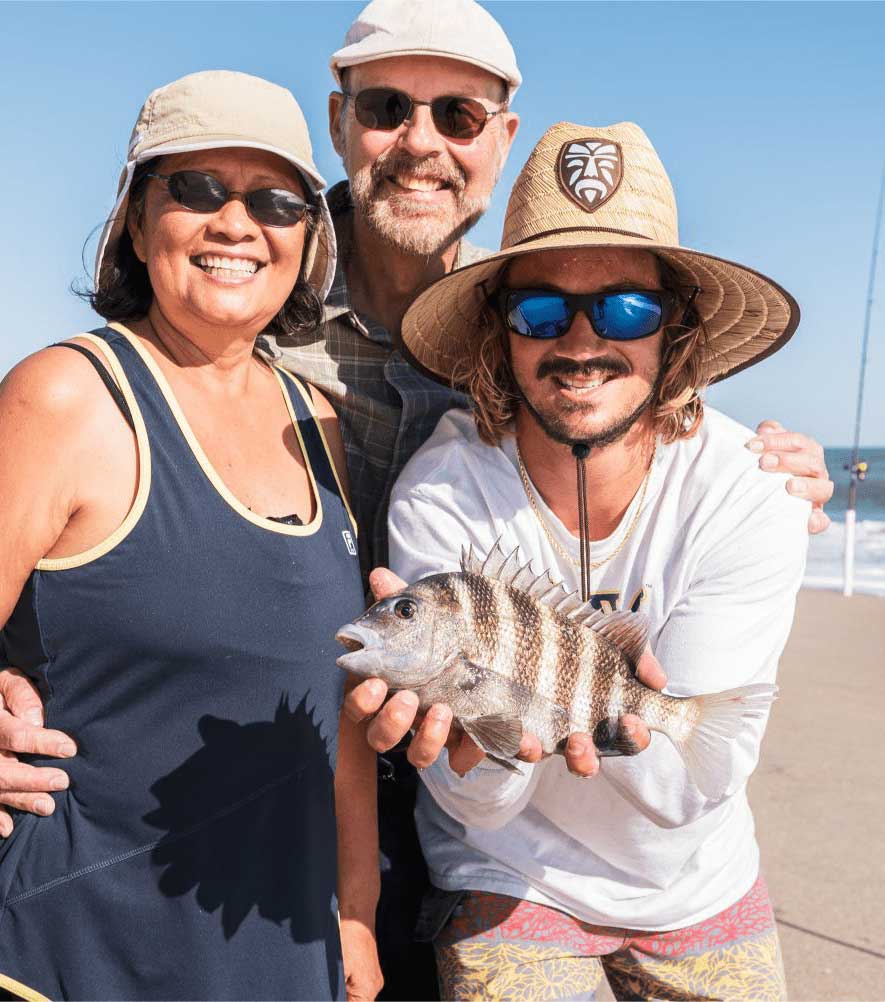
x=677 y=408
x=126 y=292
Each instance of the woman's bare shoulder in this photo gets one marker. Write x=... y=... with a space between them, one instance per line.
x=55 y=385
x=329 y=422
x=324 y=410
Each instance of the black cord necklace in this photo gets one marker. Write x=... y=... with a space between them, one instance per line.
x=580 y=450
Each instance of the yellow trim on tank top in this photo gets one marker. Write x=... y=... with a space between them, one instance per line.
x=144 y=473
x=306 y=397
x=308 y=529
x=21 y=991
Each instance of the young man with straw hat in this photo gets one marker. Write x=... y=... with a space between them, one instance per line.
x=585 y=344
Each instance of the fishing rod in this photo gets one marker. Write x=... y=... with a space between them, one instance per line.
x=856 y=466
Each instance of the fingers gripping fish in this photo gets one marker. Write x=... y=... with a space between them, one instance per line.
x=511 y=651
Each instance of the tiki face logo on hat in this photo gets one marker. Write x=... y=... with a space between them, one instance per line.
x=574 y=171
x=590 y=171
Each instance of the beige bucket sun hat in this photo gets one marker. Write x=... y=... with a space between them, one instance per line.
x=219 y=109
x=603 y=187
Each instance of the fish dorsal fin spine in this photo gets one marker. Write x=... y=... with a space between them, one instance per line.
x=628 y=631
x=523 y=577
x=569 y=606
x=587 y=615
x=506 y=568
x=470 y=562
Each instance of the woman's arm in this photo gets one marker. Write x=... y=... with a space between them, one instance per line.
x=359 y=880
x=68 y=465
x=356 y=808
x=39 y=449
x=58 y=429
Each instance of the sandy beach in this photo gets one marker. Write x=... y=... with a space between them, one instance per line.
x=818 y=799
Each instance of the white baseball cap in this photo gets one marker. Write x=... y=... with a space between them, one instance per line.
x=455 y=29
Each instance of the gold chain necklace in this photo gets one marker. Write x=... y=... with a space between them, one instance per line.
x=530 y=494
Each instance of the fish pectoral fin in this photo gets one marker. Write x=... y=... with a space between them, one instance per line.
x=506 y=763
x=497 y=734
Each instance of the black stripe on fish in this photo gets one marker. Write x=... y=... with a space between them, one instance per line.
x=446 y=590
x=529 y=641
x=484 y=615
x=571 y=647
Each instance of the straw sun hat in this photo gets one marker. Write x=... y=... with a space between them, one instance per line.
x=220 y=109
x=603 y=187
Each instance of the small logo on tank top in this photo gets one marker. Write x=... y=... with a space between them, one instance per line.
x=348 y=542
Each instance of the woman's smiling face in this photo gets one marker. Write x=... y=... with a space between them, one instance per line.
x=219 y=269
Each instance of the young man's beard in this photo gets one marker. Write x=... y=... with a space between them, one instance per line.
x=557 y=427
x=407 y=226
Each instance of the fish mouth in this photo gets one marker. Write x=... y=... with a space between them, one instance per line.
x=354 y=637
x=362 y=643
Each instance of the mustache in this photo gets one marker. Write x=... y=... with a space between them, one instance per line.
x=434 y=168
x=592 y=367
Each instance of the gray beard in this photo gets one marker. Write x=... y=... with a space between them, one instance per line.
x=414 y=233
x=405 y=226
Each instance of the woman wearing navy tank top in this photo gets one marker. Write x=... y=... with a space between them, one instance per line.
x=177 y=555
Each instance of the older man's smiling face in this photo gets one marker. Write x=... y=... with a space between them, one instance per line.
x=417 y=190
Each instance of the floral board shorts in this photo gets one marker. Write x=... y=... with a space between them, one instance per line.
x=496 y=947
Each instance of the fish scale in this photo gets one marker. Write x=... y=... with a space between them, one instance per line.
x=512 y=652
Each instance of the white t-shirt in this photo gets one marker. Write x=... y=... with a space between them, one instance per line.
x=715 y=561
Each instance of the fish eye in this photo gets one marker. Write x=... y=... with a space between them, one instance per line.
x=405 y=608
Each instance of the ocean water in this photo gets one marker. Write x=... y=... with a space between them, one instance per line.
x=825 y=551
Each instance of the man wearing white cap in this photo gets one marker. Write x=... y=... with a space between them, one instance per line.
x=423 y=124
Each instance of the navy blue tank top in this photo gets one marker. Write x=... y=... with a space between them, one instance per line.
x=192 y=658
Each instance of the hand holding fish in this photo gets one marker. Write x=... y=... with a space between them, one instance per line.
x=512 y=653
x=434 y=729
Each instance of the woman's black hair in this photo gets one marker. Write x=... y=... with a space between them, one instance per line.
x=127 y=294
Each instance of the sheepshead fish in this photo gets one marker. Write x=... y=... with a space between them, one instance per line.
x=510 y=651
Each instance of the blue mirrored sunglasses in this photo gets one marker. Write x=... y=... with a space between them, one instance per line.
x=615 y=316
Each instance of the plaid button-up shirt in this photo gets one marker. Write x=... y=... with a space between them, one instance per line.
x=386 y=408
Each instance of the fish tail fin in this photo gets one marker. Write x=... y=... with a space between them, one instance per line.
x=706 y=748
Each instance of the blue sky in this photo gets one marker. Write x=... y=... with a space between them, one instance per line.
x=770 y=118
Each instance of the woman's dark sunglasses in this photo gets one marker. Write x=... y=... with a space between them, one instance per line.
x=386 y=109
x=204 y=193
x=615 y=316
